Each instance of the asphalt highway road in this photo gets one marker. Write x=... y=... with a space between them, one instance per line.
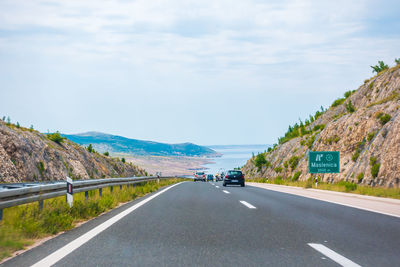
x=205 y=224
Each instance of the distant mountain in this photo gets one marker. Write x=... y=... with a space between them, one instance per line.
x=117 y=144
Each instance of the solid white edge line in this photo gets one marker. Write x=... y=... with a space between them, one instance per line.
x=247 y=204
x=334 y=202
x=70 y=247
x=217 y=186
x=333 y=255
x=226 y=192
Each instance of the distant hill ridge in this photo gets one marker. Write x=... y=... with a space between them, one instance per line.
x=103 y=142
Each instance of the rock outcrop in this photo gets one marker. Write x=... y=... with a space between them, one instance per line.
x=27 y=155
x=364 y=128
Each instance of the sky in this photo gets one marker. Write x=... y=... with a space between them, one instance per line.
x=209 y=72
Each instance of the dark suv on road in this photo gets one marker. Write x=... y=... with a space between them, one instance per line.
x=234 y=177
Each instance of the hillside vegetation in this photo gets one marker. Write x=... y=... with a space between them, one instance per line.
x=363 y=125
x=27 y=155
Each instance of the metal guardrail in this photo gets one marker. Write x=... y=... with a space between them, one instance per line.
x=18 y=194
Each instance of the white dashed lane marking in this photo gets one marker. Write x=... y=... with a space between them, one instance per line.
x=247 y=204
x=226 y=192
x=333 y=255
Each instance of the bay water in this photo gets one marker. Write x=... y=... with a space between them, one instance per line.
x=232 y=156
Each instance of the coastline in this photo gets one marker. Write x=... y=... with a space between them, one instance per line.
x=171 y=165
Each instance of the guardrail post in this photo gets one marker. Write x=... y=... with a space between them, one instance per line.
x=1 y=214
x=111 y=189
x=100 y=191
x=41 y=204
x=69 y=195
x=120 y=187
x=86 y=195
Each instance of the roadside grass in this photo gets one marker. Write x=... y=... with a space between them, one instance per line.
x=23 y=225
x=346 y=187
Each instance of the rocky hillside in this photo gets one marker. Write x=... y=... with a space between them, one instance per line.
x=27 y=155
x=364 y=127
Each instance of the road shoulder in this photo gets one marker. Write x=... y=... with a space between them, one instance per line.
x=381 y=205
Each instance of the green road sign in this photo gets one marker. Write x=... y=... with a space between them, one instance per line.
x=323 y=162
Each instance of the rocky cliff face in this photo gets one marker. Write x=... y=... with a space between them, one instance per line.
x=27 y=155
x=367 y=137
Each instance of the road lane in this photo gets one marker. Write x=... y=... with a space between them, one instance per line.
x=198 y=224
x=194 y=224
x=367 y=238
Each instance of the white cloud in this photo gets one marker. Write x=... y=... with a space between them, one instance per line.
x=231 y=47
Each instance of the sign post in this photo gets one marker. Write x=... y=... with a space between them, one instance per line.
x=70 y=198
x=323 y=162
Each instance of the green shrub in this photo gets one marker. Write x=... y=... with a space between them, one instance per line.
x=123 y=160
x=348 y=93
x=260 y=161
x=397 y=61
x=304 y=131
x=296 y=176
x=348 y=186
x=380 y=67
x=106 y=154
x=338 y=102
x=90 y=148
x=370 y=136
x=355 y=156
x=310 y=141
x=56 y=137
x=318 y=114
x=349 y=107
x=331 y=139
x=319 y=127
x=384 y=119
x=375 y=169
x=278 y=169
x=360 y=176
x=278 y=180
x=40 y=167
x=18 y=126
x=293 y=161
x=308 y=184
x=372 y=161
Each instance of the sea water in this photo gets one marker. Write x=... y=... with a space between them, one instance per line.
x=233 y=156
